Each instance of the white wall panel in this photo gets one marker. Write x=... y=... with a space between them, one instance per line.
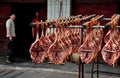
x=53 y=8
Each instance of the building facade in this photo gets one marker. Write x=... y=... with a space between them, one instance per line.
x=49 y=9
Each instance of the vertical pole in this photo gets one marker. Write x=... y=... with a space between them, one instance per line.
x=60 y=8
x=82 y=70
x=79 y=68
x=80 y=62
x=98 y=66
x=92 y=69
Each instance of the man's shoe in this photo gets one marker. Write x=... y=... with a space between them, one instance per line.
x=12 y=60
x=8 y=61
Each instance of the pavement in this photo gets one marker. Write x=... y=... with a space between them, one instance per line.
x=24 y=68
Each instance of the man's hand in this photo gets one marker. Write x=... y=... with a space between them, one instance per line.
x=33 y=32
x=33 y=35
x=10 y=38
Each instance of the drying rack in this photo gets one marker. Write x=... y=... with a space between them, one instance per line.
x=81 y=64
x=66 y=18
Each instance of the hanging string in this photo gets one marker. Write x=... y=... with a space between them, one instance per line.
x=60 y=12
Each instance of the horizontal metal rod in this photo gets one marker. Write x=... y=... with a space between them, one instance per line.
x=77 y=16
x=69 y=18
x=98 y=26
x=82 y=19
x=100 y=17
x=109 y=51
x=108 y=24
x=87 y=50
x=88 y=17
x=81 y=26
x=108 y=19
x=75 y=26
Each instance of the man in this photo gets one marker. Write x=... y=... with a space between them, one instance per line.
x=10 y=35
x=34 y=28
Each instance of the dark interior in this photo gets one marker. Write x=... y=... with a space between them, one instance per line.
x=24 y=15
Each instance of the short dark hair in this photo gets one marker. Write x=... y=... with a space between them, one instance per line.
x=12 y=13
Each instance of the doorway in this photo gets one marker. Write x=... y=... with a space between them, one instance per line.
x=24 y=14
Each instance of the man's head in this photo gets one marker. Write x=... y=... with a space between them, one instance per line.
x=12 y=16
x=37 y=14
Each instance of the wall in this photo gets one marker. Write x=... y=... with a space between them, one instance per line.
x=99 y=9
x=4 y=14
x=25 y=12
x=95 y=1
x=24 y=1
x=106 y=9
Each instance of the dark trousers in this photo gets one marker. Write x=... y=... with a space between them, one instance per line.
x=10 y=46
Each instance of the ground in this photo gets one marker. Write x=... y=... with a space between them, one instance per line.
x=24 y=68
